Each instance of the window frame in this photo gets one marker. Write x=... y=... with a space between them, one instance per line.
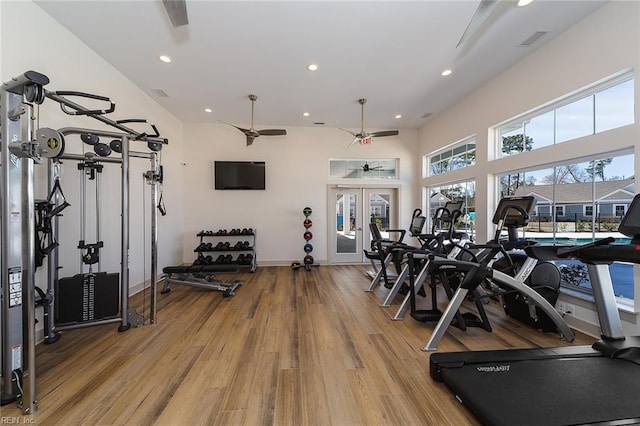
x=615 y=209
x=519 y=122
x=452 y=151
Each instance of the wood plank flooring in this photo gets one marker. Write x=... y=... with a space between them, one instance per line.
x=290 y=348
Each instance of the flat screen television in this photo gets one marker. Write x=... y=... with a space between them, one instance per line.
x=239 y=174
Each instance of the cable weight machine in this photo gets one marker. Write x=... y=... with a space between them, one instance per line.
x=88 y=299
x=22 y=145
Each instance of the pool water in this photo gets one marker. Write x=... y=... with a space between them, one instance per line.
x=621 y=273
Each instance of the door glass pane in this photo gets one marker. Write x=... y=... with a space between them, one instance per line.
x=379 y=210
x=345 y=223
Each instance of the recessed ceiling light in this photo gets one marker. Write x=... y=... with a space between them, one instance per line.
x=312 y=67
x=164 y=58
x=399 y=116
x=446 y=73
x=208 y=110
x=523 y=3
x=306 y=114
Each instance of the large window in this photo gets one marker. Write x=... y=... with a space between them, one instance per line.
x=599 y=108
x=577 y=203
x=457 y=156
x=461 y=191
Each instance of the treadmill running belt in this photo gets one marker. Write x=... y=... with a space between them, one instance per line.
x=547 y=392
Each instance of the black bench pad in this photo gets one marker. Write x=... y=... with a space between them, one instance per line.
x=199 y=269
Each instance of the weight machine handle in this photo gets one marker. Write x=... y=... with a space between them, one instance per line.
x=142 y=135
x=78 y=109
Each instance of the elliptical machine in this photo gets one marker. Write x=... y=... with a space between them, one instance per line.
x=512 y=213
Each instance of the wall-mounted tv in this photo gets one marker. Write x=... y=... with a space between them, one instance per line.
x=239 y=174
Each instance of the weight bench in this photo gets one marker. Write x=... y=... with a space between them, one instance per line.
x=202 y=276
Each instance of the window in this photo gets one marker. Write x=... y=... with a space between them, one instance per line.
x=461 y=191
x=364 y=169
x=589 y=199
x=457 y=156
x=596 y=109
x=619 y=209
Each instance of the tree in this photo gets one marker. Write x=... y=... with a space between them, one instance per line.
x=516 y=143
x=511 y=183
x=596 y=168
x=571 y=173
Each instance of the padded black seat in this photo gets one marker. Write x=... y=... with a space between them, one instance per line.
x=199 y=269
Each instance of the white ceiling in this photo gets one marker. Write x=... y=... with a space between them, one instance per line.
x=391 y=53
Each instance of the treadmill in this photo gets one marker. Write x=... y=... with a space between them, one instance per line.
x=598 y=384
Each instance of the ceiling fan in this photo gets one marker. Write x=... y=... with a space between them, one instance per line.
x=177 y=11
x=363 y=137
x=252 y=133
x=367 y=168
x=487 y=12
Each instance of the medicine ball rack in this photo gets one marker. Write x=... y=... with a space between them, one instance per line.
x=307 y=261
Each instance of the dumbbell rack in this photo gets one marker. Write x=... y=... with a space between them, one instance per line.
x=235 y=247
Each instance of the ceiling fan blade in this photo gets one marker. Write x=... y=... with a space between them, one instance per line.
x=177 y=11
x=250 y=140
x=384 y=133
x=245 y=131
x=355 y=135
x=272 y=132
x=486 y=14
x=355 y=140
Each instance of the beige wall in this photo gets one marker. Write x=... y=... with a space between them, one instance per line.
x=605 y=43
x=297 y=175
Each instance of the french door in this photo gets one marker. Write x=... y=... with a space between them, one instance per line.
x=350 y=212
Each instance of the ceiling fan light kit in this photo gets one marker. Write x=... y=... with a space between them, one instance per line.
x=363 y=137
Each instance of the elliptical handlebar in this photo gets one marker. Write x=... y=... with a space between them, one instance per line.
x=568 y=251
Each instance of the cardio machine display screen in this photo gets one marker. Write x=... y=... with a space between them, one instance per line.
x=510 y=209
x=630 y=224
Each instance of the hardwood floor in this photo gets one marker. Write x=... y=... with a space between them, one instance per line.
x=290 y=348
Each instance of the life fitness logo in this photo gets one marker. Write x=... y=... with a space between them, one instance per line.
x=493 y=368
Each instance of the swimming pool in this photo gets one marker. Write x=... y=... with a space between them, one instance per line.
x=621 y=273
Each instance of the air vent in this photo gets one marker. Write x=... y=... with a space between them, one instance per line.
x=160 y=93
x=533 y=38
x=319 y=123
x=426 y=115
